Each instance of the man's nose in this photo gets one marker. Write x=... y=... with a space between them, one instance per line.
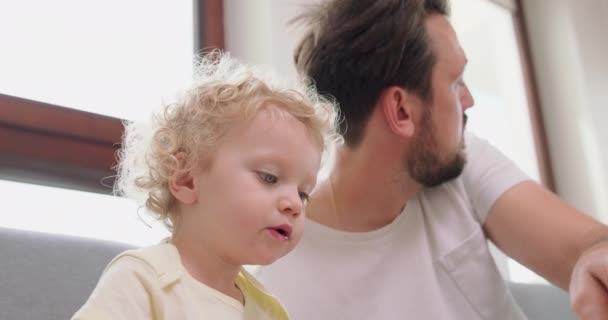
x=466 y=99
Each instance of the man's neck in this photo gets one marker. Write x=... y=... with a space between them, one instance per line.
x=362 y=193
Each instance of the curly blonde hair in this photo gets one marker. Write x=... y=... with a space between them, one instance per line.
x=225 y=92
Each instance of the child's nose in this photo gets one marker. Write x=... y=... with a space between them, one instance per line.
x=291 y=204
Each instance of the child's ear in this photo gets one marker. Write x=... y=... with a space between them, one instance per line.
x=398 y=106
x=182 y=185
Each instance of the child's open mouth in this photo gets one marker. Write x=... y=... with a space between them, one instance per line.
x=282 y=232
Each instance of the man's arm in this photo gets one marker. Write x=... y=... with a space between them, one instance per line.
x=536 y=228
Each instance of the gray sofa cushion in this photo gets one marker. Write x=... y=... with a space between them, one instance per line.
x=542 y=302
x=47 y=276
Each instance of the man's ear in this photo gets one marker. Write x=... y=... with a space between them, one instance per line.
x=182 y=185
x=398 y=106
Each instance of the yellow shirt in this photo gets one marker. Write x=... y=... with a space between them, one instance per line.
x=151 y=283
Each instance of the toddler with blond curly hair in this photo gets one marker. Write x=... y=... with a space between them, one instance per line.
x=228 y=168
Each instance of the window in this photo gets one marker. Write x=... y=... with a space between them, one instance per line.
x=71 y=71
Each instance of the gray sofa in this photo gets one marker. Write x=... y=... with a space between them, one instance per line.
x=46 y=276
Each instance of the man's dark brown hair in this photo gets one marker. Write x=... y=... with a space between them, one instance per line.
x=354 y=49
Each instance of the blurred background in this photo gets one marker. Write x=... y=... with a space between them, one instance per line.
x=72 y=70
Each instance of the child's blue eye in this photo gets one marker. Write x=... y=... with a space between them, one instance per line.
x=268 y=178
x=304 y=197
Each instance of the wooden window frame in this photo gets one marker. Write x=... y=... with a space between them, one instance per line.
x=52 y=145
x=534 y=107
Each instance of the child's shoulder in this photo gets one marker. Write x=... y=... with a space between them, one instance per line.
x=160 y=261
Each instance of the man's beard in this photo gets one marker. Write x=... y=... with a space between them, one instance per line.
x=424 y=160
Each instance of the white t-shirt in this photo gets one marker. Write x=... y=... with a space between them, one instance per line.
x=431 y=262
x=151 y=283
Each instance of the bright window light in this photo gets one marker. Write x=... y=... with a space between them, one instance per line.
x=113 y=57
x=77 y=213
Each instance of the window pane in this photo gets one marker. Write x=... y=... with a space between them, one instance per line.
x=112 y=57
x=494 y=75
x=55 y=210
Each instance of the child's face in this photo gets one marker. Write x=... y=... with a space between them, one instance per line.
x=250 y=206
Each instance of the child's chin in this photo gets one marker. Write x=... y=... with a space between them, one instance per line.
x=266 y=260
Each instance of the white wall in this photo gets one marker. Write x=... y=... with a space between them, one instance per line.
x=259 y=31
x=570 y=54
